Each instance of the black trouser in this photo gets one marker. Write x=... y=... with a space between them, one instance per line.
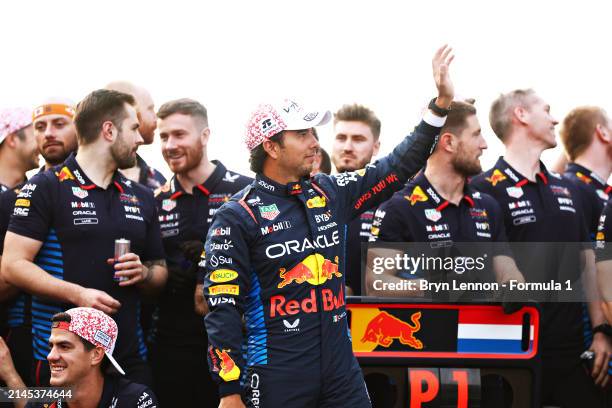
x=182 y=378
x=566 y=384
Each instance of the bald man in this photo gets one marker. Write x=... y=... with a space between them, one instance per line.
x=145 y=109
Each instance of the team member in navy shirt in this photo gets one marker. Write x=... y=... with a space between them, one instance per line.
x=186 y=205
x=586 y=134
x=604 y=257
x=541 y=206
x=439 y=208
x=61 y=236
x=356 y=141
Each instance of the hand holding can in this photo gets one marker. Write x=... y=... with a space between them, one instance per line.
x=122 y=247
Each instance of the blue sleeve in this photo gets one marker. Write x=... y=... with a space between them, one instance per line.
x=225 y=291
x=361 y=190
x=33 y=211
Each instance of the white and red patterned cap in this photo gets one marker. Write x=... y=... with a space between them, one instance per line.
x=270 y=119
x=12 y=120
x=94 y=326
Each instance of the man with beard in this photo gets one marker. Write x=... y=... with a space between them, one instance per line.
x=282 y=236
x=186 y=205
x=60 y=244
x=18 y=154
x=439 y=207
x=544 y=208
x=145 y=109
x=357 y=131
x=54 y=130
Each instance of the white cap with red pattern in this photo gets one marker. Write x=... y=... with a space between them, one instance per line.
x=12 y=120
x=94 y=326
x=270 y=119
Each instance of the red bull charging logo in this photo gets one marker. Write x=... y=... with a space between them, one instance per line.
x=314 y=269
x=229 y=369
x=384 y=328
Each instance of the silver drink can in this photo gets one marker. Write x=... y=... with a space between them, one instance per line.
x=122 y=247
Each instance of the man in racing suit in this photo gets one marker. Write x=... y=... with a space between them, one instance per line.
x=285 y=274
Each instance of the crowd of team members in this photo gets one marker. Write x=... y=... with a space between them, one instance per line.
x=58 y=230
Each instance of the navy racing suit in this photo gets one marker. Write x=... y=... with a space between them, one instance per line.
x=278 y=262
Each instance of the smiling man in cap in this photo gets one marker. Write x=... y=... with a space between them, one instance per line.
x=282 y=235
x=82 y=343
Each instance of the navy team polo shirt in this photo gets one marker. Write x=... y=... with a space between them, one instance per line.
x=78 y=223
x=186 y=217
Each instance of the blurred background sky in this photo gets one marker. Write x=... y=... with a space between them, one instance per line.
x=231 y=55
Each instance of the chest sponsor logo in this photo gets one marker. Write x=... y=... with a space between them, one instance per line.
x=483 y=226
x=79 y=192
x=325 y=217
x=82 y=204
x=269 y=212
x=128 y=198
x=432 y=214
x=436 y=228
x=433 y=195
x=343 y=179
x=220 y=300
x=515 y=192
x=230 y=178
x=280 y=306
x=168 y=205
x=316 y=202
x=496 y=177
x=524 y=220
x=22 y=202
x=314 y=269
x=476 y=195
x=224 y=290
x=560 y=191
x=511 y=174
x=221 y=231
x=169 y=217
x=291 y=327
x=267 y=186
x=279 y=226
x=85 y=221
x=602 y=223
x=519 y=204
x=418 y=195
x=21 y=212
x=223 y=275
x=131 y=210
x=65 y=174
x=218 y=198
x=565 y=201
x=254 y=201
x=602 y=194
x=79 y=177
x=584 y=178
x=479 y=213
x=295 y=247
x=225 y=246
x=327 y=226
x=216 y=260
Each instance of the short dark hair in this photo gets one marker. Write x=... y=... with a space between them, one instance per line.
x=359 y=113
x=98 y=107
x=184 y=106
x=456 y=120
x=258 y=155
